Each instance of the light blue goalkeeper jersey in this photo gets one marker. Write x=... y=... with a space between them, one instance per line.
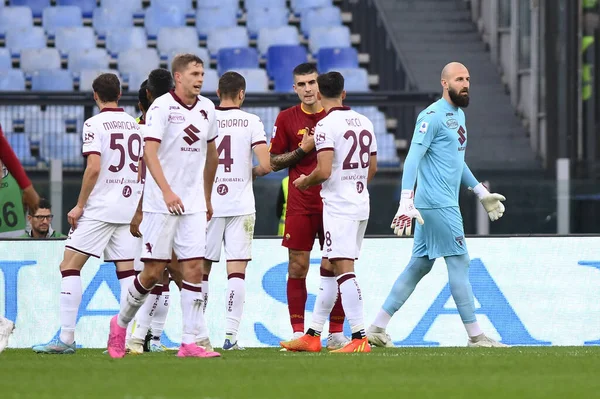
x=441 y=129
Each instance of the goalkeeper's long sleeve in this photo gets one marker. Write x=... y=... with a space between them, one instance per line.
x=411 y=166
x=468 y=179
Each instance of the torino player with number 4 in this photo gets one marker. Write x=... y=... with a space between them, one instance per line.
x=346 y=162
x=109 y=195
x=240 y=134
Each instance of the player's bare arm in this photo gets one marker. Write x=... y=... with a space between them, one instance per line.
x=90 y=176
x=264 y=162
x=319 y=174
x=288 y=159
x=210 y=170
x=173 y=202
x=372 y=167
x=136 y=221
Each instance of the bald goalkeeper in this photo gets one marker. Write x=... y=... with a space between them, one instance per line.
x=436 y=160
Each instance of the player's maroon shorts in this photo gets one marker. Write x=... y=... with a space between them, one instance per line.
x=301 y=231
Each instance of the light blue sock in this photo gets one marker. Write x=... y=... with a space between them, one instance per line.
x=406 y=282
x=460 y=287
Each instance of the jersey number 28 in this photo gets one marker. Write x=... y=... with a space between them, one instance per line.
x=363 y=141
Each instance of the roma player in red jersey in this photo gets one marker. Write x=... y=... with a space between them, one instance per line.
x=292 y=146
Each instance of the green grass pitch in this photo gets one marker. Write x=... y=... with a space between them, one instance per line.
x=522 y=372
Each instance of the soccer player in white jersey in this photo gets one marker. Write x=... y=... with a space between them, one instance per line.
x=232 y=224
x=107 y=201
x=181 y=156
x=346 y=162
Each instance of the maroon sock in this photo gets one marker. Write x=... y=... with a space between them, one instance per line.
x=296 y=296
x=337 y=316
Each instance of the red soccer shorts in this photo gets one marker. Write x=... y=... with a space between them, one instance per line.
x=301 y=231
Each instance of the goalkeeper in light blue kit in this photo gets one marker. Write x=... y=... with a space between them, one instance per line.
x=437 y=158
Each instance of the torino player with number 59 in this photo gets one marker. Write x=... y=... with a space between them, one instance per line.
x=107 y=201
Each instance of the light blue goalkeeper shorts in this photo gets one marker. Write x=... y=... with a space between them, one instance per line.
x=441 y=235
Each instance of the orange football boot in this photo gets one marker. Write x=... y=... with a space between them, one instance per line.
x=355 y=346
x=306 y=343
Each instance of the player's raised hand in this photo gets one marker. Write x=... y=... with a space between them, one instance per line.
x=134 y=226
x=173 y=202
x=74 y=215
x=406 y=213
x=491 y=202
x=300 y=183
x=308 y=141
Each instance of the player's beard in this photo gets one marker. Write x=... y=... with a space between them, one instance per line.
x=459 y=100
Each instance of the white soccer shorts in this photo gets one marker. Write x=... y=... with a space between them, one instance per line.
x=164 y=233
x=235 y=232
x=93 y=237
x=343 y=237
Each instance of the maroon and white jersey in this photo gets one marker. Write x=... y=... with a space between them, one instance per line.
x=115 y=136
x=239 y=133
x=350 y=136
x=183 y=133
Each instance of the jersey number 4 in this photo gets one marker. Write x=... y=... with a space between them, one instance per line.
x=364 y=140
x=225 y=149
x=132 y=152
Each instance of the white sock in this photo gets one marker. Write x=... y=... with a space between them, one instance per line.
x=160 y=314
x=352 y=301
x=205 y=291
x=125 y=280
x=144 y=316
x=70 y=299
x=473 y=329
x=234 y=304
x=324 y=303
x=382 y=319
x=192 y=303
x=137 y=294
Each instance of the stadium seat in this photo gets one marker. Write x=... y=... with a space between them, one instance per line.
x=319 y=17
x=134 y=81
x=210 y=19
x=234 y=58
x=258 y=18
x=141 y=60
x=107 y=19
x=217 y=3
x=185 y=5
x=87 y=76
x=162 y=17
x=337 y=57
x=124 y=39
x=252 y=4
x=386 y=149
x=39 y=58
x=52 y=80
x=22 y=38
x=334 y=36
x=211 y=81
x=68 y=40
x=286 y=35
x=87 y=6
x=21 y=144
x=36 y=6
x=66 y=147
x=175 y=38
x=12 y=18
x=199 y=51
x=12 y=80
x=93 y=58
x=257 y=80
x=228 y=37
x=299 y=5
x=355 y=79
x=5 y=59
x=130 y=5
x=375 y=116
x=281 y=61
x=61 y=17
